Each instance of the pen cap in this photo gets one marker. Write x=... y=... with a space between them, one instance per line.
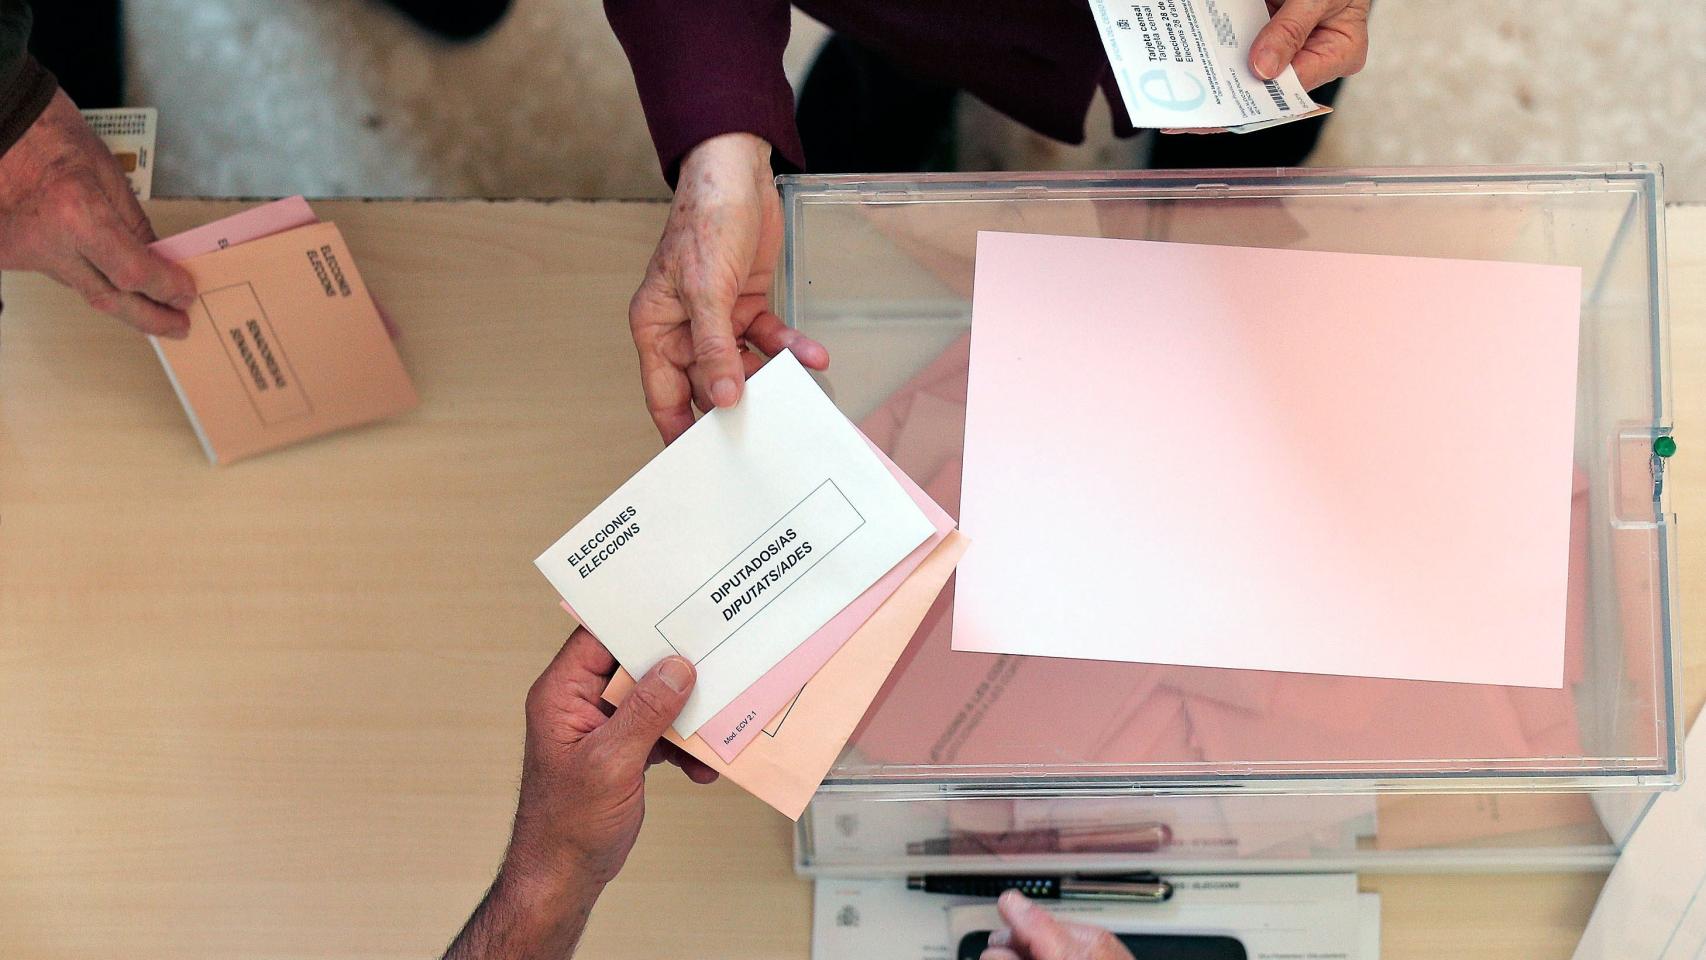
x=1123 y=890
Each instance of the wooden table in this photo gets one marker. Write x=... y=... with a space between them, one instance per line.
x=274 y=710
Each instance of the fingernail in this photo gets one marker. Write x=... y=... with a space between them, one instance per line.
x=676 y=673
x=724 y=392
x=1000 y=937
x=1018 y=902
x=1268 y=64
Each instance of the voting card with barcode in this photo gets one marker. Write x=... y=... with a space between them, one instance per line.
x=738 y=541
x=129 y=132
x=1186 y=64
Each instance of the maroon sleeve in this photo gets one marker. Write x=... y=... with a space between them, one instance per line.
x=709 y=68
x=25 y=88
x=22 y=100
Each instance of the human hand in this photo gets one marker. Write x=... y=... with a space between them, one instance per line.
x=582 y=799
x=583 y=771
x=1032 y=933
x=705 y=299
x=66 y=210
x=1321 y=39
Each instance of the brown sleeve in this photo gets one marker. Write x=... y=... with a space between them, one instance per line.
x=25 y=87
x=709 y=68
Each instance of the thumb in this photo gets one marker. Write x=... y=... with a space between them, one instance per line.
x=1036 y=934
x=1278 y=42
x=647 y=711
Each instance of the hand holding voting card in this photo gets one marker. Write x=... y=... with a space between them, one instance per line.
x=739 y=541
x=1186 y=64
x=285 y=342
x=1269 y=459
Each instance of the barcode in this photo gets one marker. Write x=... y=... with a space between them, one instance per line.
x=133 y=125
x=1274 y=91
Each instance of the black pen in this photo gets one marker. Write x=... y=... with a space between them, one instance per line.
x=1139 y=888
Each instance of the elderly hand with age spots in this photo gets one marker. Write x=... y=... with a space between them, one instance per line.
x=701 y=318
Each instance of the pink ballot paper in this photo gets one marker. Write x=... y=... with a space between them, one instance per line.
x=747 y=715
x=1269 y=459
x=785 y=767
x=252 y=224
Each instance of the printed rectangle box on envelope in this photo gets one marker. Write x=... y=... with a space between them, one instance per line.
x=768 y=566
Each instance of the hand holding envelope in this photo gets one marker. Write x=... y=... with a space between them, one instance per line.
x=800 y=553
x=789 y=518
x=582 y=787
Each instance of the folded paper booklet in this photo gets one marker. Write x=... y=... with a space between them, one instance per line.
x=285 y=342
x=785 y=764
x=739 y=541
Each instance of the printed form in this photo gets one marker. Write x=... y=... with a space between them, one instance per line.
x=1186 y=64
x=738 y=541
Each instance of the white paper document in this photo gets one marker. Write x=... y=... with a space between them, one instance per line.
x=738 y=541
x=1275 y=917
x=1653 y=906
x=1186 y=64
x=855 y=918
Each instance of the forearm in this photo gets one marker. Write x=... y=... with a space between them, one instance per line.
x=25 y=88
x=523 y=918
x=707 y=69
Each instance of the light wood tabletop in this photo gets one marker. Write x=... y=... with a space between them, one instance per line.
x=274 y=709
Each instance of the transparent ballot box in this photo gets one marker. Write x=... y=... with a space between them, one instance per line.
x=976 y=758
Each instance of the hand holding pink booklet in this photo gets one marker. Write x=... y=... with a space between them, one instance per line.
x=285 y=343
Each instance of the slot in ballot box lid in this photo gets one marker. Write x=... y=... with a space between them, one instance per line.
x=880 y=269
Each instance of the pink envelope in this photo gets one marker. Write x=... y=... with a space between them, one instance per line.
x=252 y=224
x=262 y=221
x=751 y=712
x=736 y=725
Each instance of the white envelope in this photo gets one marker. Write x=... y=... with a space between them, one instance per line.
x=738 y=541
